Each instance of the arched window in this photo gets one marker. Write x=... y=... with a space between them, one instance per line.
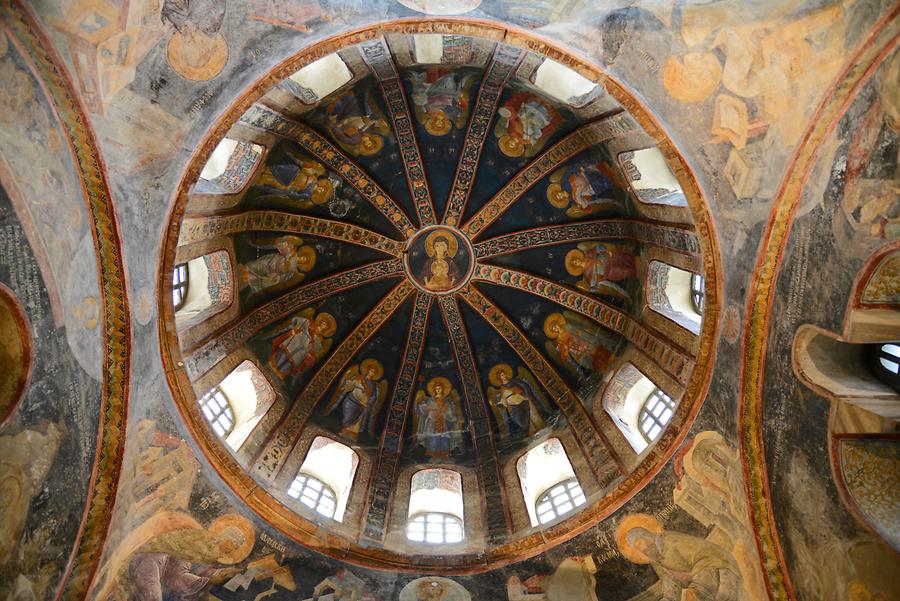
x=564 y=83
x=697 y=292
x=179 y=285
x=559 y=500
x=250 y=396
x=656 y=413
x=889 y=357
x=217 y=411
x=886 y=364
x=202 y=286
x=650 y=178
x=639 y=409
x=549 y=485
x=314 y=493
x=229 y=167
x=671 y=292
x=325 y=478
x=435 y=507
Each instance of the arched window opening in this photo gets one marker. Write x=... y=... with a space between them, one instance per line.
x=637 y=406
x=204 y=286
x=697 y=292
x=439 y=48
x=656 y=413
x=326 y=477
x=319 y=79
x=564 y=83
x=435 y=507
x=179 y=285
x=671 y=293
x=650 y=178
x=229 y=167
x=542 y=470
x=250 y=396
x=217 y=411
x=314 y=493
x=884 y=363
x=559 y=500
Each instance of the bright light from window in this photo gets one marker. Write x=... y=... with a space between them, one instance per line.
x=314 y=493
x=218 y=161
x=217 y=411
x=334 y=464
x=890 y=357
x=656 y=414
x=323 y=76
x=435 y=528
x=435 y=507
x=429 y=48
x=559 y=500
x=179 y=285
x=540 y=470
x=562 y=82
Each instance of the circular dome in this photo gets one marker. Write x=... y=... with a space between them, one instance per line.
x=437 y=299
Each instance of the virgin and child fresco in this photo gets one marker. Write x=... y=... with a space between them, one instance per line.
x=275 y=270
x=299 y=345
x=359 y=398
x=300 y=179
x=437 y=418
x=576 y=343
x=441 y=99
x=603 y=267
x=515 y=400
x=526 y=123
x=439 y=261
x=584 y=188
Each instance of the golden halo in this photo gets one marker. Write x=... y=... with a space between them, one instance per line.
x=452 y=243
x=571 y=267
x=511 y=147
x=437 y=124
x=433 y=382
x=322 y=191
x=366 y=364
x=369 y=144
x=196 y=56
x=329 y=325
x=243 y=525
x=494 y=374
x=558 y=197
x=306 y=258
x=552 y=320
x=637 y=520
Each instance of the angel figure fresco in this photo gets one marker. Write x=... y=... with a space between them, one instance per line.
x=440 y=272
x=600 y=266
x=577 y=343
x=304 y=341
x=441 y=99
x=303 y=180
x=514 y=401
x=526 y=122
x=285 y=267
x=438 y=418
x=357 y=125
x=583 y=188
x=360 y=396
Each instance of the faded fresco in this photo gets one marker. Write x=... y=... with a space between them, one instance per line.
x=735 y=85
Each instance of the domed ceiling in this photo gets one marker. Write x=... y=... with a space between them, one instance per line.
x=438 y=265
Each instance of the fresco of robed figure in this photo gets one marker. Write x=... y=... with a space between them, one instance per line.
x=438 y=418
x=277 y=270
x=515 y=401
x=577 y=343
x=601 y=266
x=583 y=188
x=441 y=263
x=360 y=396
x=304 y=340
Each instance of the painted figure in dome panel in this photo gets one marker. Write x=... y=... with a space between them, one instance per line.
x=438 y=418
x=360 y=396
x=297 y=347
x=577 y=343
x=441 y=99
x=284 y=267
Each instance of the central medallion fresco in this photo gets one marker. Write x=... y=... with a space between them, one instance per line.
x=437 y=266
x=439 y=260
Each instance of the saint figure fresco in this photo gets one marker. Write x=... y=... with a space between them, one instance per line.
x=526 y=122
x=438 y=418
x=441 y=99
x=601 y=265
x=302 y=180
x=577 y=343
x=304 y=341
x=280 y=269
x=356 y=124
x=689 y=567
x=440 y=273
x=515 y=401
x=583 y=188
x=359 y=395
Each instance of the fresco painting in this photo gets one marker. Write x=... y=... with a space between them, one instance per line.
x=300 y=345
x=283 y=268
x=525 y=124
x=583 y=188
x=359 y=398
x=441 y=99
x=437 y=418
x=516 y=401
x=605 y=268
x=576 y=343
